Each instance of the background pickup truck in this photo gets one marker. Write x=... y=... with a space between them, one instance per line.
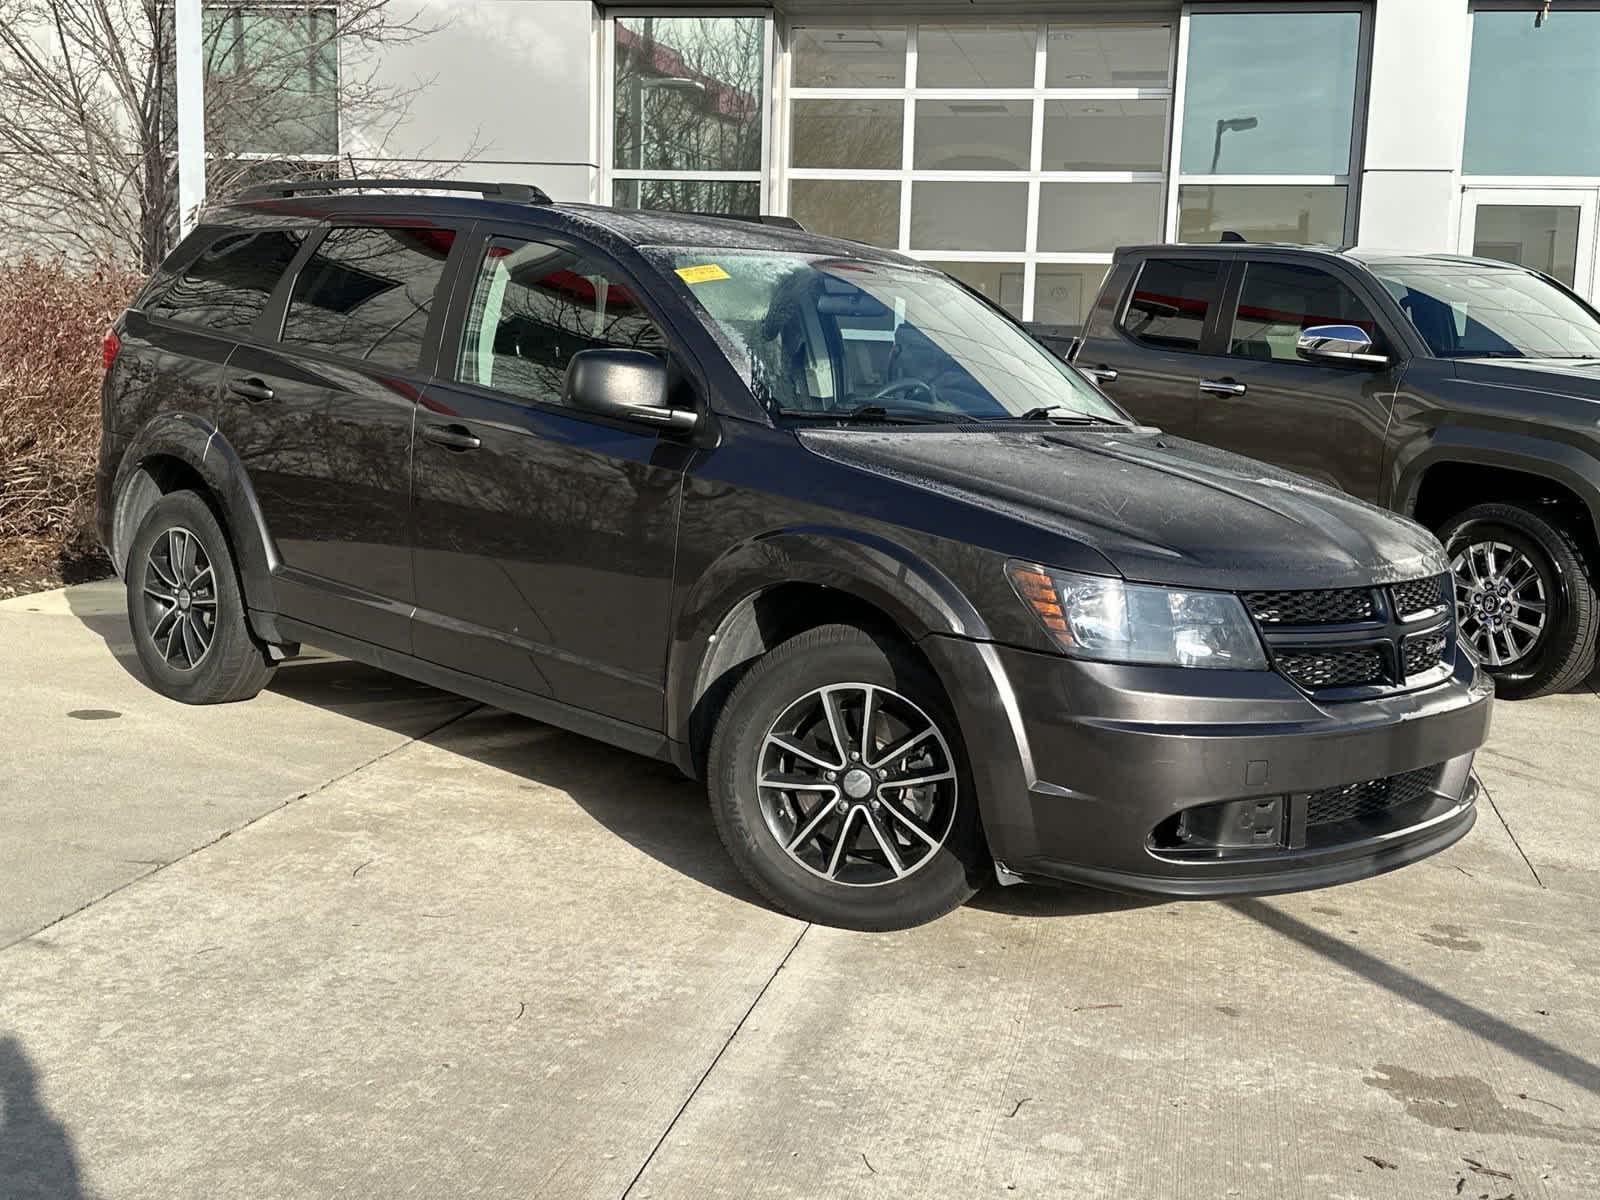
x=1462 y=392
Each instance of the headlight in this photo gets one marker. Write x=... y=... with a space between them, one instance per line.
x=1089 y=616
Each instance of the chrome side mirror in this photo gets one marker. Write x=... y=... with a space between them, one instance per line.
x=1348 y=344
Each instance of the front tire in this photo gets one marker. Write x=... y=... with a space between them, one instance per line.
x=186 y=609
x=840 y=785
x=1524 y=600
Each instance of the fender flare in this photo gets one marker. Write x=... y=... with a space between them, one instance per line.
x=1541 y=458
x=915 y=595
x=200 y=446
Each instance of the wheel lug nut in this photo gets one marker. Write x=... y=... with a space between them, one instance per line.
x=854 y=755
x=842 y=807
x=882 y=774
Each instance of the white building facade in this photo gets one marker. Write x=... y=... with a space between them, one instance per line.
x=1017 y=144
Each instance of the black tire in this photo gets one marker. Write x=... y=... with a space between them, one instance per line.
x=942 y=878
x=1563 y=654
x=202 y=652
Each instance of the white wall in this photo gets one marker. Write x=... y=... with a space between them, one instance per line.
x=514 y=79
x=1411 y=177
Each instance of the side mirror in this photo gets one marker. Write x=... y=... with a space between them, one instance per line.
x=628 y=384
x=1348 y=344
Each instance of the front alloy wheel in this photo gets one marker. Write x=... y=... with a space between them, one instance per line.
x=857 y=784
x=840 y=786
x=1501 y=602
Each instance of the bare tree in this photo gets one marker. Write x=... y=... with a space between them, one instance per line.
x=88 y=138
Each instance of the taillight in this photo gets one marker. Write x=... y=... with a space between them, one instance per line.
x=109 y=348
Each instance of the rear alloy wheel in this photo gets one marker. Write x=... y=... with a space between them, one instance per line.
x=186 y=610
x=1524 y=602
x=839 y=785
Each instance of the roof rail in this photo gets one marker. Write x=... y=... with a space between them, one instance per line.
x=522 y=193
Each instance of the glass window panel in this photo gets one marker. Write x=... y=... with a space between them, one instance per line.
x=688 y=93
x=1532 y=108
x=534 y=307
x=976 y=56
x=736 y=197
x=863 y=210
x=1098 y=216
x=973 y=135
x=858 y=134
x=1270 y=93
x=1171 y=300
x=1104 y=135
x=968 y=216
x=1000 y=282
x=1114 y=56
x=1278 y=300
x=366 y=294
x=1541 y=236
x=856 y=56
x=1261 y=213
x=1064 y=292
x=226 y=288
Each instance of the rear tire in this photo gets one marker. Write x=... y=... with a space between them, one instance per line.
x=1514 y=553
x=841 y=841
x=186 y=609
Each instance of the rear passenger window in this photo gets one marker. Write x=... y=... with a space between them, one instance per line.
x=1278 y=300
x=1171 y=300
x=366 y=294
x=533 y=307
x=227 y=286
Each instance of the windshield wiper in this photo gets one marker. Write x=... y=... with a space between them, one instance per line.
x=870 y=412
x=1069 y=416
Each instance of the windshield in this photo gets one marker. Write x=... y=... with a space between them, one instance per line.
x=827 y=338
x=1469 y=310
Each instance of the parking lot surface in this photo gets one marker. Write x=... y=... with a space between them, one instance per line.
x=362 y=938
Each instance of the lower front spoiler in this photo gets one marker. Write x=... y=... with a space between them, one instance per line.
x=1357 y=860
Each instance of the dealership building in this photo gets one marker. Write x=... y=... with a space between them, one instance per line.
x=1015 y=145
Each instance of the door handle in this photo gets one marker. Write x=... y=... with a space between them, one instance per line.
x=1101 y=374
x=252 y=389
x=452 y=437
x=1222 y=387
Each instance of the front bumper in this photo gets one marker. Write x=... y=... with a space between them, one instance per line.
x=1107 y=775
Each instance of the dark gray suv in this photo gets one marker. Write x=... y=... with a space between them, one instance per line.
x=1462 y=392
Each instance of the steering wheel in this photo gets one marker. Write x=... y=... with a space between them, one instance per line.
x=908 y=387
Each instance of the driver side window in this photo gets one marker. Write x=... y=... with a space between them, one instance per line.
x=1279 y=300
x=533 y=307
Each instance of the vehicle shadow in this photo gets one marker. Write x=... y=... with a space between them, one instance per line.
x=646 y=803
x=37 y=1160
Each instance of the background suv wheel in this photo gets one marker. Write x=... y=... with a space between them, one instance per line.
x=1524 y=600
x=186 y=610
x=840 y=787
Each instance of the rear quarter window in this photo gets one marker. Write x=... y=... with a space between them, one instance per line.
x=1171 y=301
x=226 y=286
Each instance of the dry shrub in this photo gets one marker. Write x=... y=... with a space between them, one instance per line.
x=52 y=320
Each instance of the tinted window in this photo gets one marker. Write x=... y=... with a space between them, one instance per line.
x=533 y=307
x=1277 y=301
x=1171 y=301
x=227 y=286
x=367 y=293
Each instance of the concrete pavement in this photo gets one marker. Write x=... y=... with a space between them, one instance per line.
x=359 y=938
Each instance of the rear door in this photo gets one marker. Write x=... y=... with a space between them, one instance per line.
x=319 y=407
x=1151 y=347
x=1323 y=420
x=544 y=536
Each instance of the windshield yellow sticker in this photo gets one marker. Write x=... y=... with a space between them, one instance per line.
x=705 y=273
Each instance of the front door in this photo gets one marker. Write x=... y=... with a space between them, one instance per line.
x=544 y=537
x=1322 y=420
x=1549 y=229
x=322 y=418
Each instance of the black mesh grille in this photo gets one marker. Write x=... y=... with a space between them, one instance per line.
x=1336 y=666
x=1332 y=607
x=1419 y=595
x=1355 y=800
x=1424 y=652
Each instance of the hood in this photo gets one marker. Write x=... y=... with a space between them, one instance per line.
x=1159 y=508
x=1574 y=381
